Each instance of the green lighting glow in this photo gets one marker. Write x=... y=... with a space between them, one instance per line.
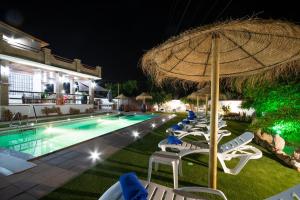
x=287 y=129
x=277 y=109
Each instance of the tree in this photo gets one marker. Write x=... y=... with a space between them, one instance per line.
x=277 y=108
x=159 y=97
x=129 y=88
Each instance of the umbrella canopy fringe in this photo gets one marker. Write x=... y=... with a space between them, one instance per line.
x=284 y=36
x=283 y=71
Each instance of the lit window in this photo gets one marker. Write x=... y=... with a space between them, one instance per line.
x=19 y=81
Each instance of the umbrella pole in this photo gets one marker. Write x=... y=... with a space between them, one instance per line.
x=214 y=114
x=197 y=104
x=206 y=105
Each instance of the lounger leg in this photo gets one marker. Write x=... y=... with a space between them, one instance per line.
x=149 y=169
x=175 y=173
x=156 y=166
x=180 y=167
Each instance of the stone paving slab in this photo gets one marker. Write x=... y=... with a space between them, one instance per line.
x=55 y=169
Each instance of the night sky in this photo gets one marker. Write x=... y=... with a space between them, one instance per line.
x=115 y=34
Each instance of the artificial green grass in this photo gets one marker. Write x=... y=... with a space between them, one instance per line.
x=260 y=178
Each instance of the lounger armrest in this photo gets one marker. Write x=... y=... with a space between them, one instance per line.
x=179 y=132
x=194 y=133
x=164 y=147
x=187 y=190
x=113 y=193
x=223 y=133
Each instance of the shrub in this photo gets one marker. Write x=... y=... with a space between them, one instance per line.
x=7 y=115
x=74 y=111
x=48 y=111
x=89 y=110
x=277 y=108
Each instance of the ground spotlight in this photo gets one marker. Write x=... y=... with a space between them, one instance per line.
x=135 y=134
x=95 y=155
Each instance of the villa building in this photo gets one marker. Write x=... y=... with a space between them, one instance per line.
x=31 y=74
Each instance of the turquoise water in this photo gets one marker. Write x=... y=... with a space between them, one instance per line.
x=54 y=136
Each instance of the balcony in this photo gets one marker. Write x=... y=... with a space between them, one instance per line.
x=45 y=56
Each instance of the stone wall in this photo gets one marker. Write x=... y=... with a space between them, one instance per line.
x=267 y=141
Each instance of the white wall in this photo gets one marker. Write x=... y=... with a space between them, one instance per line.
x=173 y=105
x=37 y=82
x=235 y=107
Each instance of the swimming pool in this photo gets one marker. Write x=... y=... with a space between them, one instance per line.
x=51 y=137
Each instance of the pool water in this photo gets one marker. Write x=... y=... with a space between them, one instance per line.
x=54 y=136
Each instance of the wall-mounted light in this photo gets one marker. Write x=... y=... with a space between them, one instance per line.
x=10 y=40
x=5 y=70
x=93 y=84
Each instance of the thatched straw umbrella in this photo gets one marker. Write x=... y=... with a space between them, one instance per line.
x=234 y=48
x=196 y=96
x=121 y=96
x=204 y=92
x=143 y=96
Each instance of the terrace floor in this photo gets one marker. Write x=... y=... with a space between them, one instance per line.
x=55 y=169
x=258 y=180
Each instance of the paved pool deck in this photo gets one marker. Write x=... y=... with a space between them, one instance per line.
x=55 y=169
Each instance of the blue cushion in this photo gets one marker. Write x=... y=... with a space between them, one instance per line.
x=176 y=127
x=132 y=189
x=186 y=121
x=173 y=140
x=191 y=117
x=191 y=113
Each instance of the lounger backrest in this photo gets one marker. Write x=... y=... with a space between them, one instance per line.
x=289 y=194
x=243 y=139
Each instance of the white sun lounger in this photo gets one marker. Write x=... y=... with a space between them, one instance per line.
x=235 y=148
x=201 y=124
x=194 y=144
x=290 y=194
x=160 y=192
x=205 y=134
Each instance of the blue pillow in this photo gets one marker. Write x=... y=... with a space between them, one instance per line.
x=132 y=188
x=176 y=127
x=173 y=140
